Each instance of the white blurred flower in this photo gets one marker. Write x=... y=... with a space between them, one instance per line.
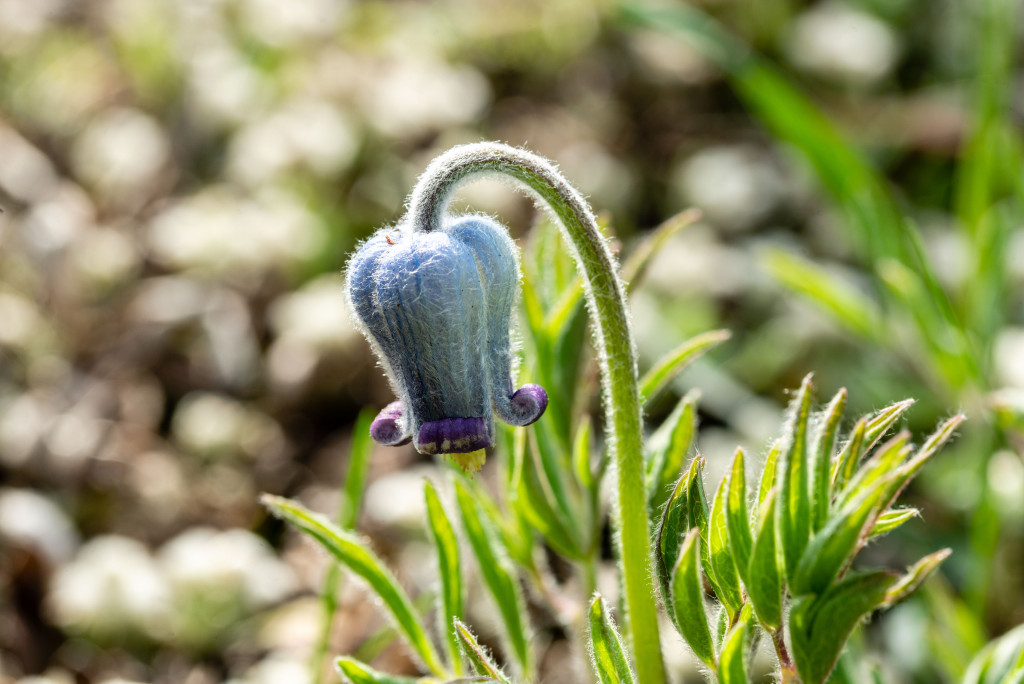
x=276 y=669
x=317 y=313
x=55 y=223
x=103 y=258
x=20 y=20
x=218 y=230
x=1009 y=357
x=112 y=585
x=120 y=153
x=51 y=676
x=695 y=261
x=26 y=174
x=406 y=97
x=307 y=132
x=29 y=518
x=291 y=23
x=840 y=42
x=21 y=320
x=23 y=419
x=223 y=87
x=735 y=186
x=232 y=562
x=396 y=499
x=212 y=425
x=167 y=300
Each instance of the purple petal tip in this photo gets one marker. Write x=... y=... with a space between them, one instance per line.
x=453 y=436
x=386 y=428
x=528 y=404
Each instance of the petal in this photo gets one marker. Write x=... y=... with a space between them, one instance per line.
x=454 y=436
x=526 y=405
x=390 y=426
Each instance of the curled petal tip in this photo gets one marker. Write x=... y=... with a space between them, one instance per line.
x=453 y=436
x=527 y=404
x=387 y=428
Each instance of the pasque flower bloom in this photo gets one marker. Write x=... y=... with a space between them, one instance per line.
x=437 y=307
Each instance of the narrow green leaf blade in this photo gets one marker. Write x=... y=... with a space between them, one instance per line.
x=606 y=652
x=668 y=447
x=690 y=615
x=885 y=461
x=737 y=517
x=732 y=665
x=348 y=550
x=768 y=475
x=890 y=520
x=697 y=512
x=356 y=672
x=821 y=458
x=476 y=654
x=793 y=510
x=915 y=576
x=764 y=581
x=674 y=523
x=726 y=581
x=819 y=625
x=498 y=577
x=451 y=593
x=678 y=359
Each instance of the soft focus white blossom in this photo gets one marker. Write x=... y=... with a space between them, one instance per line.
x=276 y=668
x=113 y=584
x=212 y=425
x=837 y=41
x=230 y=562
x=735 y=186
x=121 y=153
x=293 y=23
x=28 y=518
x=1009 y=357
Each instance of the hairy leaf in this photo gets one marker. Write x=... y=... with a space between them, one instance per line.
x=688 y=610
x=793 y=511
x=476 y=654
x=726 y=580
x=764 y=581
x=732 y=666
x=737 y=517
x=606 y=652
x=448 y=568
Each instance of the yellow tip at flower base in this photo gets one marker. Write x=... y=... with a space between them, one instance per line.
x=471 y=462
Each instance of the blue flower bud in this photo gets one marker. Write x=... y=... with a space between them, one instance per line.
x=437 y=309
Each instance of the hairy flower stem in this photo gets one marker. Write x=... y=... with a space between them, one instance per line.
x=616 y=354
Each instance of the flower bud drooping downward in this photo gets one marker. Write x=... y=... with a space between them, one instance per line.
x=437 y=308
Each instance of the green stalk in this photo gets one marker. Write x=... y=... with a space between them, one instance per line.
x=616 y=354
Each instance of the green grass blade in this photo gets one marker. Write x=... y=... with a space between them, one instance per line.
x=821 y=458
x=351 y=670
x=349 y=551
x=497 y=576
x=634 y=268
x=476 y=654
x=726 y=581
x=819 y=625
x=688 y=611
x=764 y=581
x=673 y=363
x=848 y=306
x=737 y=517
x=732 y=665
x=451 y=594
x=606 y=652
x=793 y=526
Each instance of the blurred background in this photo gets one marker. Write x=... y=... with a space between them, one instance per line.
x=182 y=181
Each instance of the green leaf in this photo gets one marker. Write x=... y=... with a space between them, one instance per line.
x=764 y=581
x=448 y=568
x=793 y=527
x=476 y=654
x=732 y=666
x=674 y=524
x=667 y=448
x=606 y=653
x=885 y=461
x=673 y=363
x=737 y=517
x=581 y=455
x=634 y=268
x=821 y=458
x=726 y=581
x=351 y=670
x=865 y=434
x=349 y=551
x=697 y=512
x=1000 y=662
x=909 y=470
x=688 y=611
x=768 y=475
x=497 y=576
x=890 y=520
x=358 y=461
x=832 y=549
x=819 y=625
x=915 y=576
x=847 y=305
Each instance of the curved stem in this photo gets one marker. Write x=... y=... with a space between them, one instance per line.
x=615 y=350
